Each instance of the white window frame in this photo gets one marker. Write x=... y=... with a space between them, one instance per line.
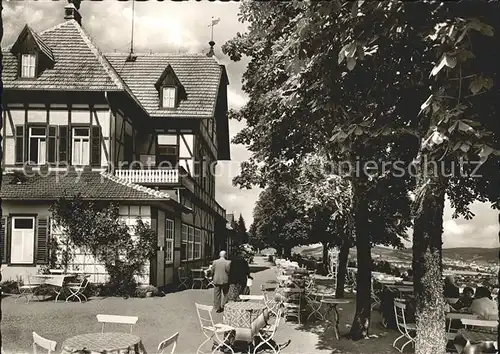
x=14 y=234
x=184 y=241
x=168 y=94
x=85 y=144
x=28 y=65
x=197 y=244
x=169 y=241
x=190 y=242
x=42 y=145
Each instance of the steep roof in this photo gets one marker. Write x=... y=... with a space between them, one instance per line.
x=41 y=45
x=79 y=66
x=90 y=184
x=200 y=75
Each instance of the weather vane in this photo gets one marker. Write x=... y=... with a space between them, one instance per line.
x=214 y=22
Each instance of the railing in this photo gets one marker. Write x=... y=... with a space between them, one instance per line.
x=149 y=175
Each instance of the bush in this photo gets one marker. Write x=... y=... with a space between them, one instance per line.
x=9 y=287
x=143 y=290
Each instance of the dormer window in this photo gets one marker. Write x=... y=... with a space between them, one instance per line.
x=34 y=56
x=170 y=90
x=169 y=97
x=28 y=62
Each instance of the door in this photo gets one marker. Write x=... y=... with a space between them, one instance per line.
x=22 y=241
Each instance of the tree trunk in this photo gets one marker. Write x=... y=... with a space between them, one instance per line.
x=342 y=271
x=326 y=259
x=287 y=252
x=427 y=263
x=361 y=321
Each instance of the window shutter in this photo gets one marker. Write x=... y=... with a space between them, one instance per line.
x=3 y=240
x=51 y=146
x=63 y=143
x=95 y=146
x=42 y=253
x=19 y=144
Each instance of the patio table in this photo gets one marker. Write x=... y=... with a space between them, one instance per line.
x=55 y=280
x=100 y=343
x=475 y=341
x=333 y=311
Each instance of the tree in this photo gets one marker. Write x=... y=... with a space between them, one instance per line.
x=241 y=230
x=276 y=223
x=298 y=98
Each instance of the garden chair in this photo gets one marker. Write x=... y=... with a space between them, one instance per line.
x=209 y=279
x=217 y=331
x=172 y=341
x=293 y=298
x=183 y=278
x=200 y=278
x=131 y=320
x=267 y=334
x=77 y=290
x=29 y=289
x=39 y=341
x=407 y=330
x=376 y=302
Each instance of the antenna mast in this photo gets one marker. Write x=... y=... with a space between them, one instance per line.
x=132 y=39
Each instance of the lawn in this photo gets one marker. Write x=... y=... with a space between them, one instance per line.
x=161 y=317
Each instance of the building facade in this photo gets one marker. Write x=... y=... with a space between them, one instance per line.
x=142 y=130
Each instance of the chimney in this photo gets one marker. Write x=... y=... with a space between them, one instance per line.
x=211 y=51
x=71 y=11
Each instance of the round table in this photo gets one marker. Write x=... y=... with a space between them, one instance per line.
x=332 y=309
x=469 y=341
x=99 y=343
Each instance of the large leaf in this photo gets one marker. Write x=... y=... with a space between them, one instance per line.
x=351 y=63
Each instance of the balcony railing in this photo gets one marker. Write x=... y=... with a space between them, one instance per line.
x=159 y=176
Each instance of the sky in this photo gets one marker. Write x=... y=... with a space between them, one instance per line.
x=171 y=27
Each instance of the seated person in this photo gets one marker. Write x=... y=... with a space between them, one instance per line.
x=408 y=276
x=465 y=300
x=450 y=288
x=483 y=305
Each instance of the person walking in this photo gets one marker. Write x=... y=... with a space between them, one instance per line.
x=239 y=272
x=220 y=270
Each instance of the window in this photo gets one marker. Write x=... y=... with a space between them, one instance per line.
x=168 y=97
x=190 y=243
x=81 y=146
x=167 y=156
x=37 y=145
x=197 y=244
x=22 y=240
x=169 y=241
x=28 y=65
x=184 y=243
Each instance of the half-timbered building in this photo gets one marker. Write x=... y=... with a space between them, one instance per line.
x=144 y=131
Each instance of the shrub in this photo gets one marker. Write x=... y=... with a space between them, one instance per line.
x=9 y=287
x=143 y=290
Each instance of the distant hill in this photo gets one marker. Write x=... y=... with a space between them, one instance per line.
x=470 y=254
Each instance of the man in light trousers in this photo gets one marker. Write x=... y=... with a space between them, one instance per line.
x=220 y=269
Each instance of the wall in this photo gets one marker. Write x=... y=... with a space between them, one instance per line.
x=57 y=115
